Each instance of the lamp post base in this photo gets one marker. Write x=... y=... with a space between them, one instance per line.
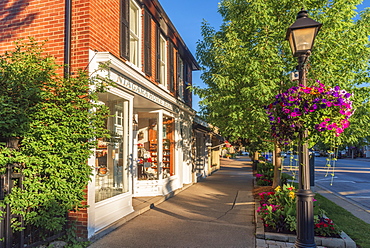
x=305 y=221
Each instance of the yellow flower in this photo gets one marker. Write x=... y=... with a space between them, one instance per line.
x=278 y=189
x=292 y=194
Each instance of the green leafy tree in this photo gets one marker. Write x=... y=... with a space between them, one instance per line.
x=56 y=121
x=248 y=61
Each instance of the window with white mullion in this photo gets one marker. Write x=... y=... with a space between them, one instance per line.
x=163 y=61
x=134 y=33
x=181 y=78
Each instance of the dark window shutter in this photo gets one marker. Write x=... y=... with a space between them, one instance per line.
x=125 y=29
x=158 y=55
x=188 y=83
x=177 y=86
x=184 y=90
x=147 y=43
x=171 y=65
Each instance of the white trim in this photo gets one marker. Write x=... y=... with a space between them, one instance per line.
x=103 y=213
x=137 y=36
x=163 y=77
x=112 y=199
x=139 y=80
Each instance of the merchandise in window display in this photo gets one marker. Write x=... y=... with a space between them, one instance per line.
x=146 y=164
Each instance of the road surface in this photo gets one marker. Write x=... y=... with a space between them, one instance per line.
x=350 y=179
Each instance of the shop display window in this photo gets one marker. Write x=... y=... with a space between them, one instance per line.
x=111 y=156
x=168 y=147
x=152 y=161
x=147 y=162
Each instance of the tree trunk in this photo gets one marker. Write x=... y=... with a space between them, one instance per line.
x=277 y=165
x=12 y=143
x=255 y=159
x=255 y=156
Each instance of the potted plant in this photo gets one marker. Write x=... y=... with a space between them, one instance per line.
x=321 y=110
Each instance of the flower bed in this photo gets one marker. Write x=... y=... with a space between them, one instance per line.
x=265 y=174
x=338 y=240
x=278 y=211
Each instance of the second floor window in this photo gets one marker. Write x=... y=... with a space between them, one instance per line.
x=180 y=71
x=130 y=31
x=162 y=61
x=134 y=34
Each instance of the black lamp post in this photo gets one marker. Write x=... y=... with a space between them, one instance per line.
x=301 y=36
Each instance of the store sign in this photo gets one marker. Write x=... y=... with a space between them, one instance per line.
x=139 y=90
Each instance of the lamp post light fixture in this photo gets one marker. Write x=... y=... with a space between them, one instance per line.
x=301 y=35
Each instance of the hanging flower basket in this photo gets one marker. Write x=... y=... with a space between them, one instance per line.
x=321 y=110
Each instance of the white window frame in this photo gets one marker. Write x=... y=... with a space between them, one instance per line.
x=181 y=79
x=135 y=34
x=163 y=61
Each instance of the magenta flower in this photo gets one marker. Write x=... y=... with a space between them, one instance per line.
x=316 y=106
x=323 y=124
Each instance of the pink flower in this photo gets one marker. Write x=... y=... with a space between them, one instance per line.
x=323 y=124
x=339 y=131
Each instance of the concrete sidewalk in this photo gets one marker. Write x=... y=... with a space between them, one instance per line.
x=216 y=212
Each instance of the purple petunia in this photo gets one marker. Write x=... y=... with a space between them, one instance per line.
x=318 y=108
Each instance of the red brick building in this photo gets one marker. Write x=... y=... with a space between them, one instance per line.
x=152 y=67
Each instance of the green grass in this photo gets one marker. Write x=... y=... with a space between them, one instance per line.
x=356 y=228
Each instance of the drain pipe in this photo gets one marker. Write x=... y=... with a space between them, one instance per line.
x=67 y=38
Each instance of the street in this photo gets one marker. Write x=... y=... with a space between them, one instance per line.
x=351 y=178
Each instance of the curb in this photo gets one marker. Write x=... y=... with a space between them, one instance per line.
x=340 y=197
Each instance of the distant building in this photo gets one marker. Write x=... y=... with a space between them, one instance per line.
x=152 y=106
x=207 y=145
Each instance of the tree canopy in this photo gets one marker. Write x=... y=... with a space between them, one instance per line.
x=248 y=61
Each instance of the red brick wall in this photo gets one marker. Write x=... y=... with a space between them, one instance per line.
x=80 y=34
x=79 y=219
x=105 y=26
x=42 y=19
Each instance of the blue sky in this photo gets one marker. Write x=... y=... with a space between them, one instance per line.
x=187 y=17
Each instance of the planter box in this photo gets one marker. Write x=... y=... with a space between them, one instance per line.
x=344 y=242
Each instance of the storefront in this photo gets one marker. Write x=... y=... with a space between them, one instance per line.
x=155 y=146
x=109 y=192
x=206 y=149
x=156 y=171
x=149 y=152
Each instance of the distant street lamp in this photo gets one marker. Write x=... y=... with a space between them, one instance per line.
x=301 y=36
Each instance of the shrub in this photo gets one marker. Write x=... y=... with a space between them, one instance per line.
x=56 y=128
